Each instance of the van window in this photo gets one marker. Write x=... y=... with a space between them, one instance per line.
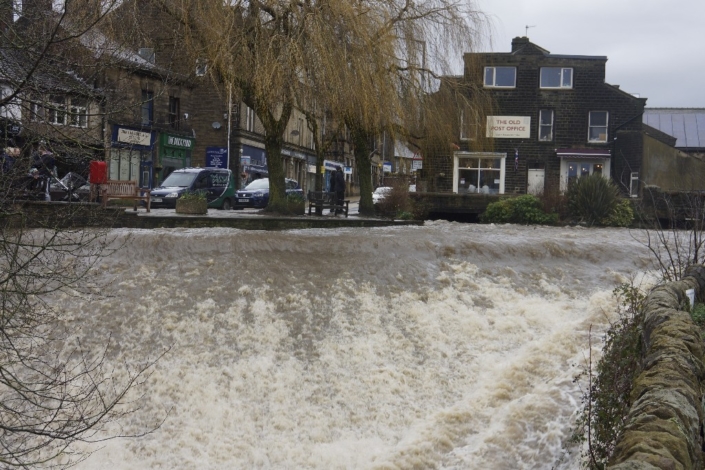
x=179 y=179
x=202 y=181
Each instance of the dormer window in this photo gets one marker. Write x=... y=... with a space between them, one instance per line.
x=500 y=77
x=556 y=77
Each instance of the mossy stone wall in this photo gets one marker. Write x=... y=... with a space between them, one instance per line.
x=665 y=423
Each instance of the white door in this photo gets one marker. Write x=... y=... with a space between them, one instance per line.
x=535 y=181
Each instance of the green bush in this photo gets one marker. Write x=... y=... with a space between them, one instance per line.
x=526 y=209
x=607 y=398
x=295 y=198
x=193 y=196
x=698 y=314
x=621 y=216
x=592 y=199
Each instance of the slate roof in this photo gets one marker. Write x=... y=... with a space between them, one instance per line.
x=687 y=125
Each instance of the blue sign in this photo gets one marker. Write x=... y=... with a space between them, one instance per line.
x=216 y=157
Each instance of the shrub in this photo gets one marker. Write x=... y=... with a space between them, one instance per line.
x=194 y=196
x=526 y=209
x=607 y=399
x=592 y=199
x=295 y=198
x=698 y=314
x=395 y=201
x=621 y=216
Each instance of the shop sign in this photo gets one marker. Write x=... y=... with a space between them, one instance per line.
x=134 y=137
x=416 y=164
x=387 y=167
x=508 y=127
x=177 y=141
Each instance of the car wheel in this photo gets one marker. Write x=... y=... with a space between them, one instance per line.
x=227 y=205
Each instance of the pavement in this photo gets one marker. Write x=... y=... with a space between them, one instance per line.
x=353 y=212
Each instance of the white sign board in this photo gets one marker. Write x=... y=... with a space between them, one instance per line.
x=508 y=127
x=131 y=136
x=416 y=164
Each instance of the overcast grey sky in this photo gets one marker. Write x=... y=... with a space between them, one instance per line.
x=656 y=48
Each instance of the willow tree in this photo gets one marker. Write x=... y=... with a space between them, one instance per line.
x=412 y=46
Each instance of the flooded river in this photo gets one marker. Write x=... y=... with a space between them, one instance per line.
x=445 y=346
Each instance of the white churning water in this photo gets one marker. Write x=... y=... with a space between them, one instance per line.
x=445 y=346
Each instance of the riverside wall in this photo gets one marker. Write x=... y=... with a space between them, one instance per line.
x=664 y=427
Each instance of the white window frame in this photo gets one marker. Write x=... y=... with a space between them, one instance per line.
x=472 y=127
x=37 y=113
x=592 y=162
x=78 y=113
x=57 y=114
x=542 y=125
x=605 y=126
x=563 y=71
x=634 y=184
x=494 y=77
x=481 y=155
x=249 y=119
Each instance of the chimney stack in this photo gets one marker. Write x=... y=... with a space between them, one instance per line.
x=519 y=42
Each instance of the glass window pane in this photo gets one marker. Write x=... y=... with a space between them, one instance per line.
x=546 y=116
x=597 y=169
x=598 y=118
x=584 y=169
x=545 y=133
x=504 y=76
x=550 y=77
x=567 y=78
x=489 y=74
x=598 y=134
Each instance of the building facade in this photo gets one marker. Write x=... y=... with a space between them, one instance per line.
x=553 y=120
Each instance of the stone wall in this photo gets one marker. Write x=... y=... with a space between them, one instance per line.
x=665 y=424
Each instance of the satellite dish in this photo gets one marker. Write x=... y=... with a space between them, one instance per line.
x=216 y=125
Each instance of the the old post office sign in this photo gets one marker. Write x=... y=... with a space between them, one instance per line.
x=508 y=127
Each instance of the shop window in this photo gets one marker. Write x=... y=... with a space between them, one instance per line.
x=546 y=125
x=480 y=174
x=597 y=126
x=556 y=77
x=500 y=77
x=581 y=169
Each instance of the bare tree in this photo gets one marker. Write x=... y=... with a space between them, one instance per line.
x=675 y=230
x=55 y=392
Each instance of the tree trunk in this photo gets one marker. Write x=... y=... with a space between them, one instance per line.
x=363 y=161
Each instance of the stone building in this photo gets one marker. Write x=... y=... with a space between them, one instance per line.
x=553 y=120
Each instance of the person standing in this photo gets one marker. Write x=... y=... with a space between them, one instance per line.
x=339 y=188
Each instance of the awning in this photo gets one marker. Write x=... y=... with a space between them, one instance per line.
x=583 y=153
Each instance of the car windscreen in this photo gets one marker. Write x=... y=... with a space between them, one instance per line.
x=179 y=179
x=262 y=183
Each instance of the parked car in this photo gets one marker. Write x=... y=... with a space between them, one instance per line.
x=72 y=187
x=217 y=183
x=256 y=194
x=380 y=193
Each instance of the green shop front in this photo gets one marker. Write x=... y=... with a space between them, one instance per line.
x=174 y=153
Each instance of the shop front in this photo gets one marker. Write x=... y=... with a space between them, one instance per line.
x=174 y=153
x=131 y=156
